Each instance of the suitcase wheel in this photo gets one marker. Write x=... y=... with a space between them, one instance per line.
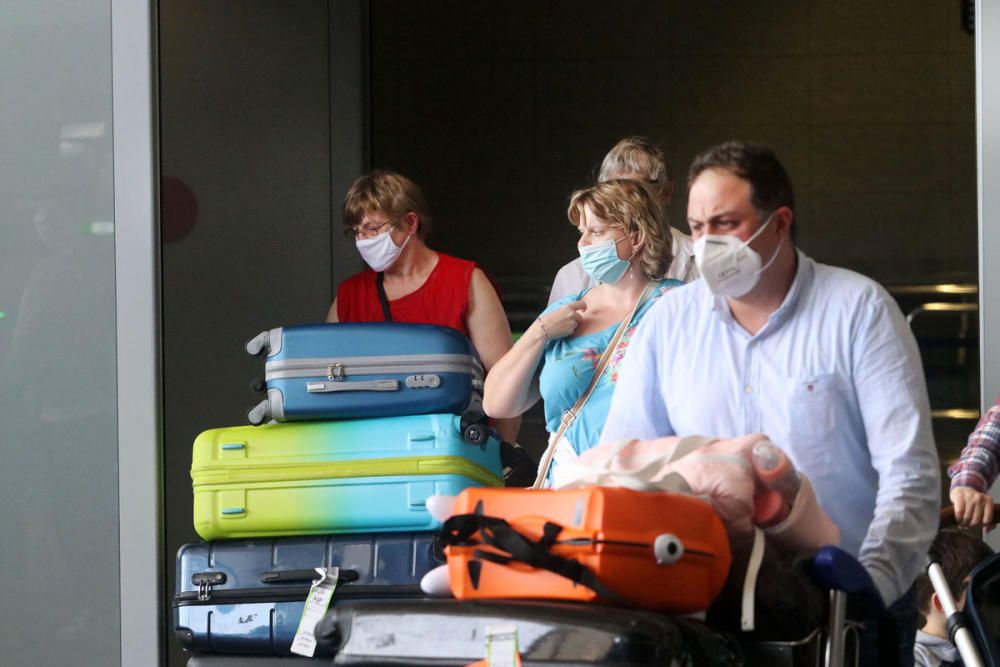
x=474 y=434
x=258 y=385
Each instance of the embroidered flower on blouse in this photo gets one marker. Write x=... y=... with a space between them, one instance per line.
x=619 y=353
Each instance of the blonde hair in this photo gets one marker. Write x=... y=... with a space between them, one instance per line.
x=633 y=206
x=387 y=192
x=638 y=155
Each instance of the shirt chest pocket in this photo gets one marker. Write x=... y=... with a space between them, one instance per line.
x=812 y=404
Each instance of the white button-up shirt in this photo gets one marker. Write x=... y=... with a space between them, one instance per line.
x=834 y=378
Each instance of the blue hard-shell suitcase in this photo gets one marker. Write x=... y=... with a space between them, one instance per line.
x=247 y=596
x=370 y=369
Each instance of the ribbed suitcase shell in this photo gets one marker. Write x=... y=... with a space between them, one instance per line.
x=351 y=370
x=453 y=633
x=612 y=531
x=314 y=478
x=256 y=609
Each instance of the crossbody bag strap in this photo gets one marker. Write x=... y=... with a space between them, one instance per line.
x=382 y=298
x=570 y=415
x=474 y=529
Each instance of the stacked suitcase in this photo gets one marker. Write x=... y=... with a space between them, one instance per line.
x=590 y=576
x=372 y=419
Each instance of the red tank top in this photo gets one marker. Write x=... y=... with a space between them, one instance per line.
x=443 y=299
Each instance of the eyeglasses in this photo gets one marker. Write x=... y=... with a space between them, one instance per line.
x=365 y=231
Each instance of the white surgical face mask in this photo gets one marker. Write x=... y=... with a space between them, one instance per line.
x=380 y=252
x=730 y=267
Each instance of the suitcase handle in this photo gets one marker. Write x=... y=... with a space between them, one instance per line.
x=298 y=576
x=361 y=385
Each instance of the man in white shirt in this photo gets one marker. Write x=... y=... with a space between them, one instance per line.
x=634 y=158
x=818 y=358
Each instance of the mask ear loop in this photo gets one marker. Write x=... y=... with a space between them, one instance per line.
x=635 y=251
x=773 y=257
x=757 y=233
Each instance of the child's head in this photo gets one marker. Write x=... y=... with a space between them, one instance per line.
x=958 y=552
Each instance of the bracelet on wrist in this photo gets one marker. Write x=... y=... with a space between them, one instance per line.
x=545 y=334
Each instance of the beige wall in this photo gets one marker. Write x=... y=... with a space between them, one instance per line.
x=501 y=109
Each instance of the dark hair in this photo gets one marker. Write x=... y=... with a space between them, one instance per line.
x=958 y=552
x=770 y=187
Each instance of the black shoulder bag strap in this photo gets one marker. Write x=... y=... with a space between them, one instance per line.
x=382 y=298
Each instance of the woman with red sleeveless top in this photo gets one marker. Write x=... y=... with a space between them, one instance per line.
x=387 y=218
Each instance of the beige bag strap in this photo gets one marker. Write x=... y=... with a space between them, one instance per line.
x=570 y=415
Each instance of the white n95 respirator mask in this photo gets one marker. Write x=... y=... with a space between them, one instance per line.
x=729 y=266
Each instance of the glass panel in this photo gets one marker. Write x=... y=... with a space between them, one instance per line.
x=58 y=421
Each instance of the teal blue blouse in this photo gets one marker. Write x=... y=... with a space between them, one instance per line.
x=569 y=365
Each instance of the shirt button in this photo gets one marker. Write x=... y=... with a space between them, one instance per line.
x=748 y=389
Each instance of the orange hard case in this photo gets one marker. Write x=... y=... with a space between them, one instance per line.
x=611 y=531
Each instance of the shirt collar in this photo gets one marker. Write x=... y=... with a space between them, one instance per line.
x=802 y=282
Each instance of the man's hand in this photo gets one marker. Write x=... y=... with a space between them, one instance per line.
x=972 y=508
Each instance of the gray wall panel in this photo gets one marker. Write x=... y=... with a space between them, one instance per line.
x=246 y=127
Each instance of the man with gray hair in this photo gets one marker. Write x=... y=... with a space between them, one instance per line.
x=634 y=158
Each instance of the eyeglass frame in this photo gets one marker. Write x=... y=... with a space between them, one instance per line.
x=358 y=232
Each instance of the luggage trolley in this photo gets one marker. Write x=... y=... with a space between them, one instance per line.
x=838 y=643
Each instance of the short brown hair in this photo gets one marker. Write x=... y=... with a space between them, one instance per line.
x=957 y=552
x=634 y=206
x=770 y=186
x=390 y=193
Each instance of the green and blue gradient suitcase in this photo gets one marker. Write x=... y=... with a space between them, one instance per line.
x=315 y=478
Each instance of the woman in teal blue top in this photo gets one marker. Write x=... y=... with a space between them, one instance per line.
x=625 y=246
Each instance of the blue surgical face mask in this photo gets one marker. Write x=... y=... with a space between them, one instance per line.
x=602 y=263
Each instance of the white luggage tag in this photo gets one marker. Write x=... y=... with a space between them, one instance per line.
x=317 y=603
x=501 y=646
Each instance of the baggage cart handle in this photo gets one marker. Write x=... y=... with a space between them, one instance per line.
x=947 y=519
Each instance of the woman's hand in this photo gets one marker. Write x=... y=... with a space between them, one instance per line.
x=972 y=508
x=562 y=321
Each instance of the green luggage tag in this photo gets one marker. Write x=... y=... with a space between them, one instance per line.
x=317 y=603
